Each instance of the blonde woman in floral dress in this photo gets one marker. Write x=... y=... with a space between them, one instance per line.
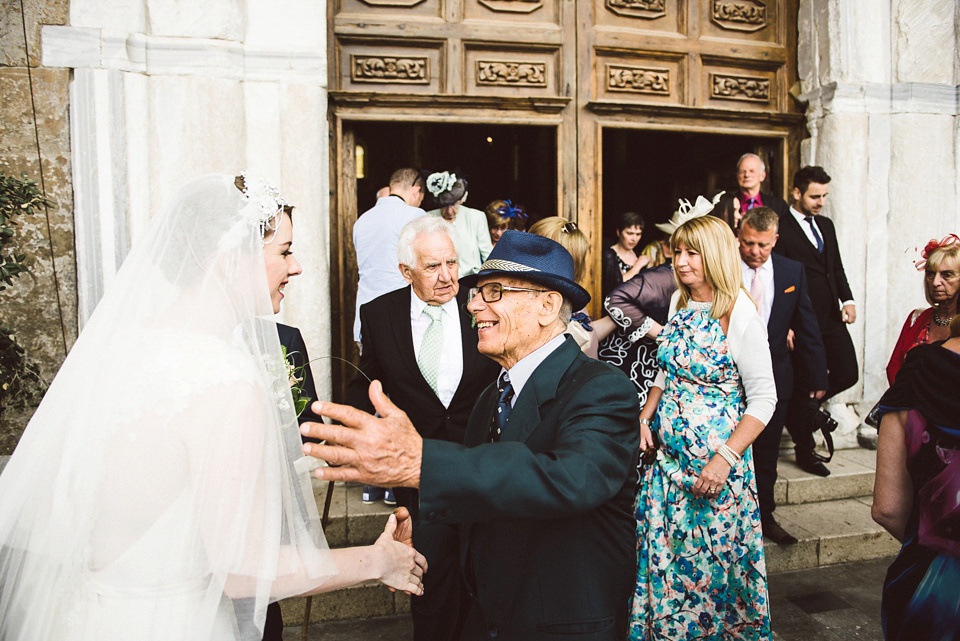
x=701 y=572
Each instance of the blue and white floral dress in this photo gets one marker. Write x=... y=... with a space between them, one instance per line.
x=701 y=572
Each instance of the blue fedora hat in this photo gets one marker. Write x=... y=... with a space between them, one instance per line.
x=520 y=254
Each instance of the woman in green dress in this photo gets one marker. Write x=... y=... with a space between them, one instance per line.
x=701 y=572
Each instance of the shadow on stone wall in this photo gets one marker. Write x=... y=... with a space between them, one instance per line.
x=42 y=315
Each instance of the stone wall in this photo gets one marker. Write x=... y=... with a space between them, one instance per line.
x=43 y=315
x=882 y=82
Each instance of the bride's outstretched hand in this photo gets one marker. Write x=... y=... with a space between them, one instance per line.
x=404 y=566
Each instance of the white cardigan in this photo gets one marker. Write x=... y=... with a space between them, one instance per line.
x=747 y=341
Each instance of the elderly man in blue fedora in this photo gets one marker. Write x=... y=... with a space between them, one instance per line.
x=543 y=485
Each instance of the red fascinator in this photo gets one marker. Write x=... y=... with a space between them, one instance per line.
x=933 y=245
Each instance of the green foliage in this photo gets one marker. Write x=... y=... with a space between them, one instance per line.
x=296 y=377
x=20 y=381
x=18 y=197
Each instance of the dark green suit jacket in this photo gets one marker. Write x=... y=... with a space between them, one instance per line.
x=549 y=537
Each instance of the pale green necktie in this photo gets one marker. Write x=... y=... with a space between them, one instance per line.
x=429 y=359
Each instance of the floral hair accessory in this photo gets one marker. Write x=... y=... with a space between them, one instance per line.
x=265 y=204
x=686 y=212
x=509 y=210
x=440 y=182
x=261 y=207
x=932 y=246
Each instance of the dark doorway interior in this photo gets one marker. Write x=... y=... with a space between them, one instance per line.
x=648 y=171
x=509 y=162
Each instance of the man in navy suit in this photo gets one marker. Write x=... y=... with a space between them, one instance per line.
x=543 y=485
x=396 y=346
x=811 y=239
x=779 y=287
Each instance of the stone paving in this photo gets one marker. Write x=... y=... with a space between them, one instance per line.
x=834 y=603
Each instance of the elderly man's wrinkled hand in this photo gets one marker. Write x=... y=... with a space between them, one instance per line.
x=382 y=450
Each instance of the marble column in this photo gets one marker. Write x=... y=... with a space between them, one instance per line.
x=880 y=80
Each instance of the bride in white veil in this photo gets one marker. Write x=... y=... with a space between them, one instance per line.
x=160 y=491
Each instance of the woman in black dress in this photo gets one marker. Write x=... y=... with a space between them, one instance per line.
x=620 y=260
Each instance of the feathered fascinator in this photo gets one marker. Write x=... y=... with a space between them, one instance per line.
x=686 y=212
x=509 y=210
x=932 y=246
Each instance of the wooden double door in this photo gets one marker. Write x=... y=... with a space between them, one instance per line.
x=578 y=108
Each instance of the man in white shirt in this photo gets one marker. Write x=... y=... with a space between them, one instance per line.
x=375 y=237
x=420 y=343
x=778 y=286
x=811 y=239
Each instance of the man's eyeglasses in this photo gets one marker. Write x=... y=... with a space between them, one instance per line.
x=492 y=292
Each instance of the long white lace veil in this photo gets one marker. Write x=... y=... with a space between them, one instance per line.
x=160 y=491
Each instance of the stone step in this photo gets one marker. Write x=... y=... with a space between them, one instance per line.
x=350 y=522
x=369 y=599
x=829 y=532
x=851 y=475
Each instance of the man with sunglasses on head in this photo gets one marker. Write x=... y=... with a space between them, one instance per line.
x=543 y=486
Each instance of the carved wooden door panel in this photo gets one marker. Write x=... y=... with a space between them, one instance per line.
x=508 y=49
x=696 y=66
x=714 y=54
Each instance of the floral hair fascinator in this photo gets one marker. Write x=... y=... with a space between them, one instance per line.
x=509 y=210
x=264 y=203
x=440 y=182
x=261 y=207
x=686 y=212
x=932 y=246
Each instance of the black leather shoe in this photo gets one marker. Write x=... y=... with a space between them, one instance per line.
x=812 y=465
x=773 y=531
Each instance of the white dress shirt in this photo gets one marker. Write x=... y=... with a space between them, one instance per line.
x=451 y=355
x=805 y=226
x=375 y=237
x=523 y=369
x=766 y=279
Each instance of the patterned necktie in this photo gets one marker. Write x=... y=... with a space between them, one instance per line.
x=756 y=290
x=429 y=359
x=505 y=388
x=816 y=234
